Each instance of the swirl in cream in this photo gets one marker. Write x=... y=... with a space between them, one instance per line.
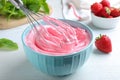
x=58 y=41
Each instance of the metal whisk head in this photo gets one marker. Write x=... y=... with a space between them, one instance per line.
x=32 y=19
x=52 y=42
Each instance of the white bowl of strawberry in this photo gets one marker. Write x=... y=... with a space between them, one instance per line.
x=104 y=16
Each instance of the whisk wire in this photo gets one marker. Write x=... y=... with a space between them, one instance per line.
x=34 y=22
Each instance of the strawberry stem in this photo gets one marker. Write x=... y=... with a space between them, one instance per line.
x=100 y=35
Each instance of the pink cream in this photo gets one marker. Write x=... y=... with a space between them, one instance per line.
x=51 y=41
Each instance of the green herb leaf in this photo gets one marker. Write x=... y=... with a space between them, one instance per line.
x=8 y=10
x=34 y=7
x=1 y=6
x=45 y=8
x=6 y=44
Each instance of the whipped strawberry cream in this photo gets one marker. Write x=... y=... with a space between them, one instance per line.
x=57 y=41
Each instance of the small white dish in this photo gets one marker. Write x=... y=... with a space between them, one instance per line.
x=105 y=23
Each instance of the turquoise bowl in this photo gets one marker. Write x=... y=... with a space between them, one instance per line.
x=59 y=65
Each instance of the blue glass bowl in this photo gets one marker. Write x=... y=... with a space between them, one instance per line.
x=59 y=65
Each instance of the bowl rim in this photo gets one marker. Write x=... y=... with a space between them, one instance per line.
x=92 y=14
x=86 y=27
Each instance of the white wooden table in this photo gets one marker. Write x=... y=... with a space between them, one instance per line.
x=15 y=66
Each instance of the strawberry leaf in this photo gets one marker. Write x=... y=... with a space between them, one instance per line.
x=108 y=10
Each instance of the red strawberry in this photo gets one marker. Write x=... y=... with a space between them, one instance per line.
x=103 y=43
x=105 y=3
x=111 y=8
x=115 y=12
x=105 y=12
x=110 y=17
x=99 y=14
x=96 y=7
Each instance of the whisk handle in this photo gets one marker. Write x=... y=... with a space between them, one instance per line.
x=16 y=3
